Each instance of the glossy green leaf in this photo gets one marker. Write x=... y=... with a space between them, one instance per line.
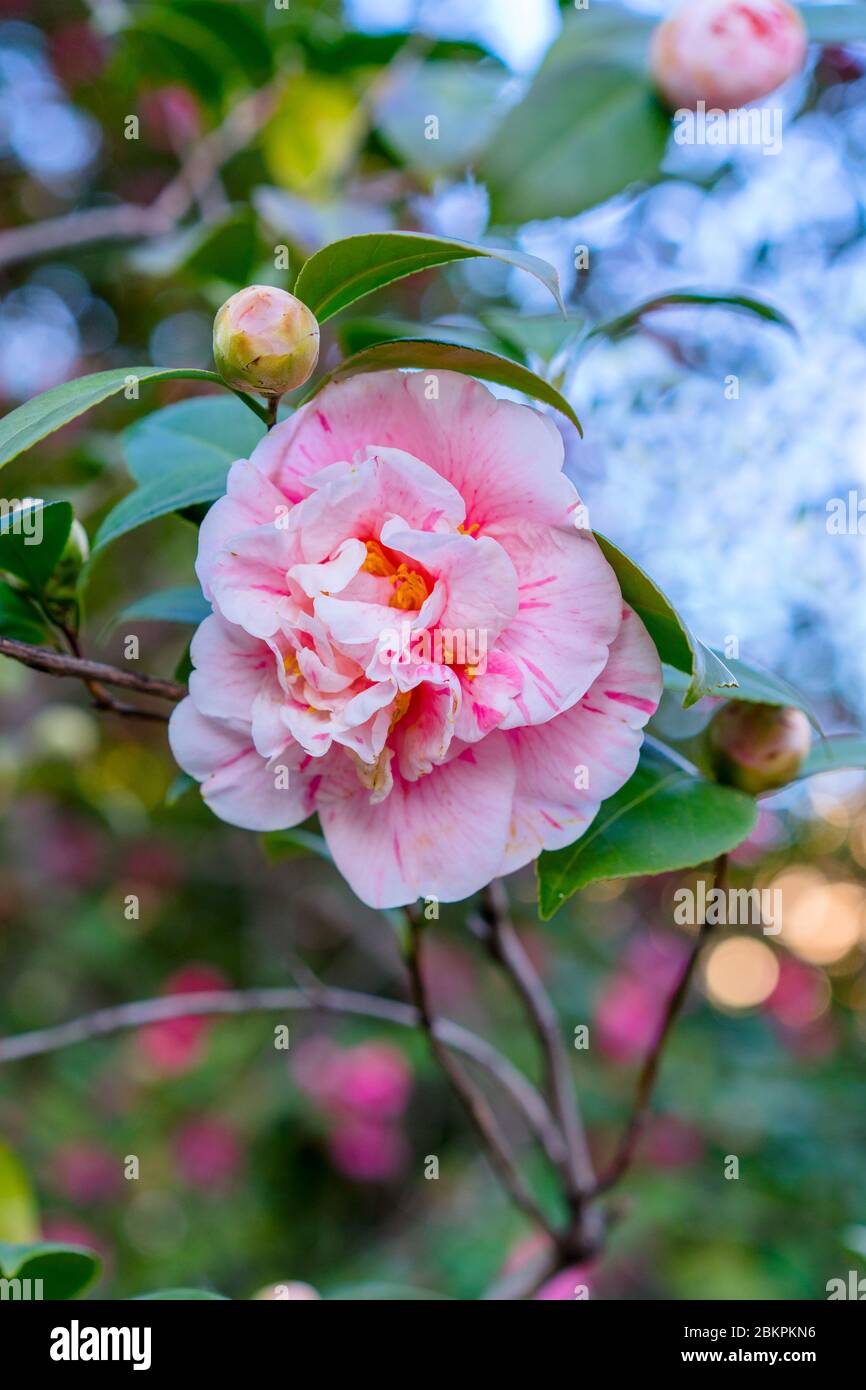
x=168 y=606
x=19 y=618
x=835 y=753
x=434 y=356
x=180 y=457
x=756 y=686
x=19 y=1219
x=584 y=132
x=346 y=270
x=205 y=432
x=676 y=645
x=24 y=427
x=360 y=333
x=533 y=335
x=29 y=559
x=625 y=323
x=664 y=818
x=65 y=1270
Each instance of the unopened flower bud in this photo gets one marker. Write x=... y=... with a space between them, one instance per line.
x=757 y=747
x=726 y=53
x=265 y=339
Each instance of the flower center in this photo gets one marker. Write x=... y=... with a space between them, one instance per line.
x=410 y=588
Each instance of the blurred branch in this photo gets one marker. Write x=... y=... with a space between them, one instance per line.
x=474 y=1103
x=132 y=221
x=649 y=1071
x=313 y=999
x=95 y=674
x=507 y=949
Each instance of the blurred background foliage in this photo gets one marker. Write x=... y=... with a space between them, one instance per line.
x=259 y=1165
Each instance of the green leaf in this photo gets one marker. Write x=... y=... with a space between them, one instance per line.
x=168 y=606
x=205 y=432
x=213 y=47
x=286 y=844
x=188 y=1295
x=21 y=554
x=624 y=323
x=65 y=1270
x=676 y=645
x=182 y=784
x=348 y=269
x=24 y=427
x=533 y=335
x=19 y=1220
x=607 y=32
x=835 y=753
x=223 y=250
x=584 y=132
x=753 y=685
x=835 y=23
x=466 y=99
x=664 y=818
x=180 y=457
x=20 y=618
x=360 y=333
x=438 y=356
x=239 y=28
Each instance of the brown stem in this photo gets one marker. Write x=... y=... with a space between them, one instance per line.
x=95 y=674
x=130 y=221
x=318 y=998
x=507 y=949
x=473 y=1101
x=648 y=1074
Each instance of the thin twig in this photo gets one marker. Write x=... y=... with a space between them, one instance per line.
x=507 y=949
x=649 y=1071
x=321 y=998
x=472 y=1100
x=133 y=222
x=55 y=663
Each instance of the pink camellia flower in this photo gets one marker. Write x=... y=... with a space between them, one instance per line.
x=412 y=637
x=726 y=52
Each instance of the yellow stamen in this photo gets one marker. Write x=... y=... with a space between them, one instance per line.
x=410 y=590
x=468 y=530
x=377 y=561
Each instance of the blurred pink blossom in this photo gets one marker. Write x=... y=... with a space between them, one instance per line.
x=208 y=1154
x=367 y=1151
x=86 y=1172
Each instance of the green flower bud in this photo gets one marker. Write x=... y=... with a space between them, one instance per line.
x=757 y=747
x=265 y=339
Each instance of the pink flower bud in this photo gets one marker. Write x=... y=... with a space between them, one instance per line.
x=757 y=747
x=266 y=339
x=726 y=52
